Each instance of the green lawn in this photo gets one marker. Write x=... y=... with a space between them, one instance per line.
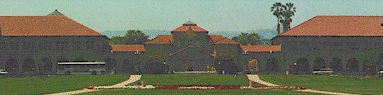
x=54 y=84
x=349 y=84
x=197 y=92
x=184 y=79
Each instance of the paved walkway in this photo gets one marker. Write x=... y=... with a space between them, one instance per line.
x=132 y=78
x=255 y=78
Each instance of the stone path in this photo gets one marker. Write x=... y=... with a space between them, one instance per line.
x=132 y=78
x=74 y=92
x=256 y=78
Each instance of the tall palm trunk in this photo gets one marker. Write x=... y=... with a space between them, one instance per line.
x=279 y=26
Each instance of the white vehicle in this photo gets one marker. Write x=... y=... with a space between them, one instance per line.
x=2 y=72
x=323 y=71
x=381 y=73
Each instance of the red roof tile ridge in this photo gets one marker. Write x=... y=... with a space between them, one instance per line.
x=348 y=16
x=226 y=41
x=322 y=17
x=123 y=48
x=296 y=26
x=71 y=27
x=166 y=39
x=215 y=36
x=261 y=48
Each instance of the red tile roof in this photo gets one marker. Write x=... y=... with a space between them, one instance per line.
x=168 y=39
x=126 y=48
x=339 y=26
x=161 y=39
x=189 y=25
x=216 y=38
x=261 y=48
x=226 y=41
x=43 y=26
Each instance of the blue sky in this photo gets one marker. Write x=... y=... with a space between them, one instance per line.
x=213 y=15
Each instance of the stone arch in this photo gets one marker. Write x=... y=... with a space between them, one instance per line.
x=47 y=65
x=302 y=66
x=319 y=63
x=336 y=65
x=352 y=65
x=272 y=65
x=128 y=67
x=379 y=64
x=154 y=66
x=252 y=65
x=226 y=65
x=369 y=67
x=12 y=66
x=28 y=66
x=110 y=64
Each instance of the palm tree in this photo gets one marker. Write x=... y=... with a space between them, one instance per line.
x=277 y=11
x=287 y=12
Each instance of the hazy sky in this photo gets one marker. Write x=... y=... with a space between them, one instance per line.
x=212 y=15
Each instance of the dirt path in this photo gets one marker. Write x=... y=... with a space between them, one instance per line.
x=256 y=78
x=132 y=78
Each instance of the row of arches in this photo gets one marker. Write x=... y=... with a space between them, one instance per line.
x=350 y=66
x=272 y=66
x=28 y=66
x=223 y=66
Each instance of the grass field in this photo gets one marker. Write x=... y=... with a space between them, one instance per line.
x=198 y=92
x=184 y=79
x=54 y=84
x=349 y=84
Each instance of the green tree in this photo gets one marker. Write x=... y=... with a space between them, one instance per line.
x=117 y=40
x=132 y=37
x=277 y=11
x=248 y=38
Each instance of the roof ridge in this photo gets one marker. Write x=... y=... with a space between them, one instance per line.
x=227 y=39
x=347 y=25
x=295 y=27
x=52 y=26
x=349 y=16
x=219 y=40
